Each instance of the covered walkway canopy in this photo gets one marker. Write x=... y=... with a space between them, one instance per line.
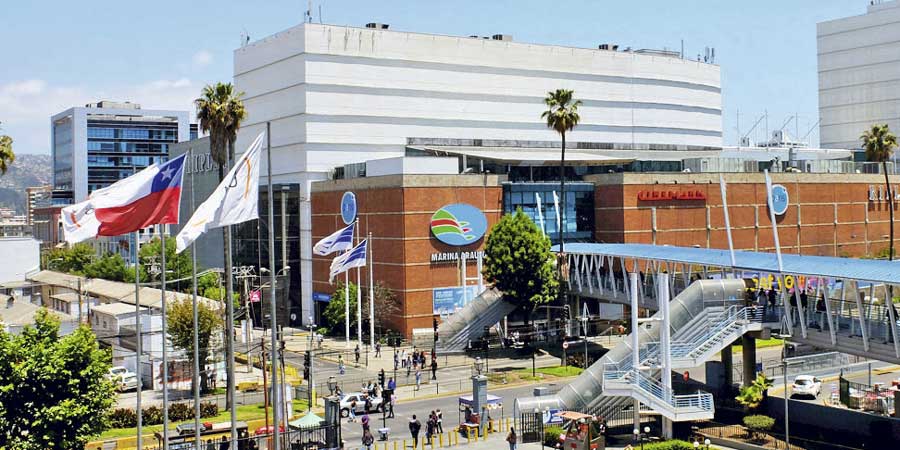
x=876 y=271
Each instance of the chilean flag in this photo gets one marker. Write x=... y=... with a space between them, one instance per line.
x=149 y=197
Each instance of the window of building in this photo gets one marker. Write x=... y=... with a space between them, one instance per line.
x=537 y=201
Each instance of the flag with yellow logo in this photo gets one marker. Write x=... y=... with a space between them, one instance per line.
x=235 y=200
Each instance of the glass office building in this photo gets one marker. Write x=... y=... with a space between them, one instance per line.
x=101 y=143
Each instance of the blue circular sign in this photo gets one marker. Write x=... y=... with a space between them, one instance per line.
x=348 y=207
x=458 y=224
x=780 y=199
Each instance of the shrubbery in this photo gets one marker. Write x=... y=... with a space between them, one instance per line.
x=759 y=425
x=153 y=415
x=674 y=444
x=551 y=436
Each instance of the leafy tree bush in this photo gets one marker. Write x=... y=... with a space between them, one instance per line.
x=334 y=312
x=110 y=266
x=178 y=265
x=70 y=259
x=181 y=331
x=551 y=436
x=53 y=391
x=759 y=425
x=153 y=415
x=673 y=444
x=123 y=418
x=753 y=395
x=181 y=411
x=519 y=263
x=209 y=409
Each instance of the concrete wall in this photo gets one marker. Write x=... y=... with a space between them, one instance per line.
x=834 y=425
x=336 y=95
x=21 y=256
x=859 y=74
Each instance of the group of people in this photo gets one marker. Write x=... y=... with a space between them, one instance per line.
x=433 y=426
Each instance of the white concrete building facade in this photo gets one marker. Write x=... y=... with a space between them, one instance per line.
x=338 y=95
x=859 y=74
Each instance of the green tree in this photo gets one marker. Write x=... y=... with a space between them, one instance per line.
x=562 y=116
x=53 y=391
x=110 y=266
x=72 y=259
x=181 y=331
x=387 y=306
x=879 y=143
x=752 y=396
x=178 y=265
x=220 y=111
x=334 y=312
x=518 y=261
x=6 y=153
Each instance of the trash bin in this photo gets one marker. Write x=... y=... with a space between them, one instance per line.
x=383 y=433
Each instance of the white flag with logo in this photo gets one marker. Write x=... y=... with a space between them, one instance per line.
x=234 y=201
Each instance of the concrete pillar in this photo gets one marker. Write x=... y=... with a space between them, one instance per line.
x=749 y=358
x=728 y=366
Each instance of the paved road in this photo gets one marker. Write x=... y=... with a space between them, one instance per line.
x=859 y=374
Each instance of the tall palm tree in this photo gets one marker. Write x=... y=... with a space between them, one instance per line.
x=879 y=143
x=562 y=116
x=220 y=112
x=6 y=153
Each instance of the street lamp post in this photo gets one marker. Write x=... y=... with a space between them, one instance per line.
x=638 y=436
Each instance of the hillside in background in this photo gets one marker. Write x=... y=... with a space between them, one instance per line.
x=27 y=171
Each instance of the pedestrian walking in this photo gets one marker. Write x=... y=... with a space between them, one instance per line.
x=352 y=412
x=414 y=427
x=341 y=368
x=434 y=369
x=210 y=444
x=223 y=444
x=418 y=378
x=440 y=421
x=429 y=428
x=512 y=438
x=378 y=349
x=393 y=399
x=408 y=368
x=368 y=439
x=396 y=359
x=392 y=384
x=356 y=353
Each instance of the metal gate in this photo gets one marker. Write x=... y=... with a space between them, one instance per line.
x=532 y=426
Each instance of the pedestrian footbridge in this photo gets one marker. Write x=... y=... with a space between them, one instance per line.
x=710 y=310
x=469 y=323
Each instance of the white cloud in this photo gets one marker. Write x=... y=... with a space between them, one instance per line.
x=202 y=59
x=27 y=105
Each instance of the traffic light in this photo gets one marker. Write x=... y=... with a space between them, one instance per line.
x=307 y=364
x=434 y=324
x=381 y=378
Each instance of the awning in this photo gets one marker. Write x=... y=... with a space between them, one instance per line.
x=309 y=420
x=466 y=400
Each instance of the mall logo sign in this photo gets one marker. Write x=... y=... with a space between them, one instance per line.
x=458 y=224
x=656 y=196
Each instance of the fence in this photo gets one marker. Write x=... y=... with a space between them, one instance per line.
x=804 y=365
x=862 y=396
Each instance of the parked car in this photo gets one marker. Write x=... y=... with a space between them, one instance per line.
x=116 y=372
x=806 y=385
x=360 y=399
x=128 y=382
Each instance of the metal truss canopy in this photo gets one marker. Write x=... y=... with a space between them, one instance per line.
x=876 y=271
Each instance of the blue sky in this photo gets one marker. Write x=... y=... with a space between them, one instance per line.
x=61 y=53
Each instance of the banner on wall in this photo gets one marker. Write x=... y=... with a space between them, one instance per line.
x=449 y=300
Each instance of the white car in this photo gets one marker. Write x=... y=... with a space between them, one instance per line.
x=348 y=399
x=806 y=385
x=123 y=379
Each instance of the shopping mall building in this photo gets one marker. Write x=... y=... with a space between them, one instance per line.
x=417 y=124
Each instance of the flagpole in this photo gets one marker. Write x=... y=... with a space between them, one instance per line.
x=276 y=387
x=137 y=329
x=359 y=338
x=371 y=293
x=165 y=378
x=347 y=306
x=196 y=334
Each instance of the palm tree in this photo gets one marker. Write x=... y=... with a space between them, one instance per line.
x=879 y=143
x=562 y=116
x=6 y=153
x=220 y=112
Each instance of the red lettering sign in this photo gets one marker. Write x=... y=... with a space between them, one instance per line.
x=657 y=196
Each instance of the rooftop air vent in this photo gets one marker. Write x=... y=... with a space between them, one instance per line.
x=502 y=37
x=378 y=26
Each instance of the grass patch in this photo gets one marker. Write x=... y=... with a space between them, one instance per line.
x=760 y=343
x=244 y=413
x=558 y=371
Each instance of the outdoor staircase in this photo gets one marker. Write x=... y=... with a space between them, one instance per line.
x=468 y=324
x=640 y=386
x=719 y=331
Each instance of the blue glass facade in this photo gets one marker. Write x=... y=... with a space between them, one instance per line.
x=579 y=205
x=117 y=149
